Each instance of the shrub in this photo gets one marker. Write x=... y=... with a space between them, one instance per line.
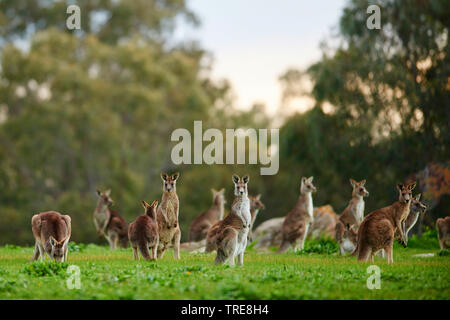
x=46 y=268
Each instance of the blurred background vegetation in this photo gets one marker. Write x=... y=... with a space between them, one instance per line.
x=94 y=108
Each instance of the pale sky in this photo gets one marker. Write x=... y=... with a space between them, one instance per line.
x=254 y=41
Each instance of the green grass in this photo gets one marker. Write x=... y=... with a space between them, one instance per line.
x=316 y=273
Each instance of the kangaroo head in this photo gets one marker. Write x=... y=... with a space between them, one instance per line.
x=255 y=203
x=150 y=209
x=405 y=191
x=416 y=205
x=219 y=196
x=169 y=181
x=359 y=189
x=307 y=185
x=104 y=197
x=57 y=252
x=240 y=185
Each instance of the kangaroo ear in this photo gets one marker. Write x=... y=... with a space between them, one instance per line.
x=175 y=176
x=353 y=182
x=222 y=190
x=246 y=179
x=310 y=179
x=108 y=192
x=400 y=186
x=235 y=178
x=412 y=185
x=164 y=176
x=258 y=196
x=99 y=193
x=417 y=197
x=145 y=204
x=303 y=180
x=214 y=191
x=53 y=241
x=362 y=182
x=154 y=204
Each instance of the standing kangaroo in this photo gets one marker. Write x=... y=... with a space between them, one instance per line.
x=109 y=223
x=443 y=228
x=415 y=210
x=51 y=231
x=167 y=217
x=232 y=232
x=352 y=215
x=200 y=226
x=377 y=230
x=296 y=224
x=255 y=206
x=143 y=233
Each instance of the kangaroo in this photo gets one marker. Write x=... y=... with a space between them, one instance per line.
x=51 y=231
x=200 y=226
x=298 y=220
x=167 y=216
x=352 y=215
x=143 y=232
x=378 y=229
x=443 y=228
x=109 y=223
x=255 y=206
x=415 y=210
x=232 y=232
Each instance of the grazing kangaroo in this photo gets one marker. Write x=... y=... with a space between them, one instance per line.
x=51 y=231
x=143 y=232
x=200 y=226
x=352 y=215
x=232 y=232
x=255 y=206
x=167 y=216
x=377 y=230
x=296 y=224
x=443 y=228
x=109 y=223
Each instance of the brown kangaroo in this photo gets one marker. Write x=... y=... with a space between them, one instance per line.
x=167 y=216
x=378 y=229
x=415 y=210
x=352 y=215
x=200 y=226
x=296 y=224
x=232 y=232
x=51 y=231
x=109 y=223
x=143 y=232
x=255 y=206
x=211 y=236
x=443 y=227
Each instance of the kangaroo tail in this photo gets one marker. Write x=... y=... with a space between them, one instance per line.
x=284 y=246
x=221 y=257
x=143 y=249
x=123 y=241
x=355 y=252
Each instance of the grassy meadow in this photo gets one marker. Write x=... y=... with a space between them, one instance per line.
x=317 y=273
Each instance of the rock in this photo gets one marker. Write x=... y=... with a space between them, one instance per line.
x=193 y=246
x=324 y=222
x=424 y=255
x=268 y=233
